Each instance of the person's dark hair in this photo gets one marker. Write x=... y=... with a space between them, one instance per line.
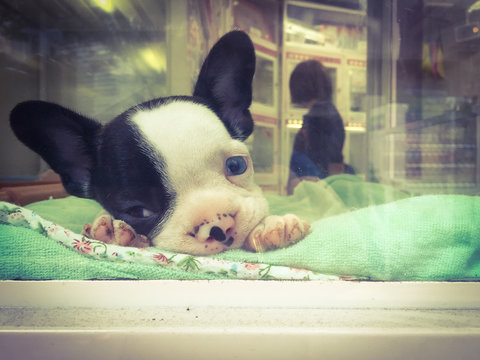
x=310 y=80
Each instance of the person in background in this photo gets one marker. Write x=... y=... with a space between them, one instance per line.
x=317 y=149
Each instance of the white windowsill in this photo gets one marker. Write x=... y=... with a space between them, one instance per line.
x=238 y=319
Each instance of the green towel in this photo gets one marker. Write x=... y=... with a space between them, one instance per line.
x=419 y=238
x=359 y=229
x=332 y=196
x=27 y=255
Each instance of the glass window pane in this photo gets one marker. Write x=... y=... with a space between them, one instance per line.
x=97 y=57
x=381 y=94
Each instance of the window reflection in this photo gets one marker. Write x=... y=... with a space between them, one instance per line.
x=425 y=119
x=337 y=38
x=404 y=74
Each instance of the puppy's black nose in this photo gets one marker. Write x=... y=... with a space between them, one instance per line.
x=217 y=233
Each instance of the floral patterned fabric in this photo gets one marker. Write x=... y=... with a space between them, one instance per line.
x=11 y=214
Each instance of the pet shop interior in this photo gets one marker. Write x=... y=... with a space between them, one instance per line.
x=391 y=263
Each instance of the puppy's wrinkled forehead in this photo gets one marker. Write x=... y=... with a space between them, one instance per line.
x=187 y=134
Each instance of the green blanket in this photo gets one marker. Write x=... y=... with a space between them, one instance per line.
x=359 y=229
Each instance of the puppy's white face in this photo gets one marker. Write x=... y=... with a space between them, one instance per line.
x=174 y=168
x=196 y=151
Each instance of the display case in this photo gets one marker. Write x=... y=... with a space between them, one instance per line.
x=261 y=20
x=434 y=154
x=356 y=78
x=334 y=65
x=292 y=114
x=425 y=127
x=265 y=81
x=336 y=37
x=263 y=145
x=264 y=142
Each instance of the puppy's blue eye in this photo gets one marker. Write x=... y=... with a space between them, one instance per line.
x=236 y=165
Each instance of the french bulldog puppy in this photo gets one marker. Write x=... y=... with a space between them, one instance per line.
x=173 y=169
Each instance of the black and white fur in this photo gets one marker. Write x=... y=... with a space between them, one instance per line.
x=175 y=169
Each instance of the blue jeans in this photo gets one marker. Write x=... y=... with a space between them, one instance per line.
x=302 y=165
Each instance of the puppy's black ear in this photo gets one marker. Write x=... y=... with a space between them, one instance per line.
x=225 y=82
x=63 y=138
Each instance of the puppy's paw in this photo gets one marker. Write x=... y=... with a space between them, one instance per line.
x=105 y=228
x=276 y=232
